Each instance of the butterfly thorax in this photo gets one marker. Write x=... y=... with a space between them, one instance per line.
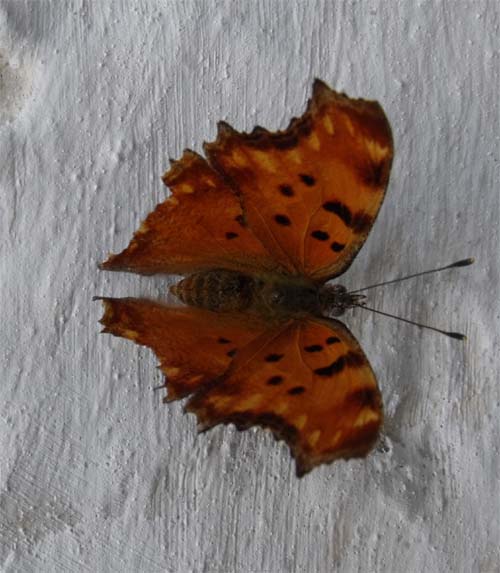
x=226 y=291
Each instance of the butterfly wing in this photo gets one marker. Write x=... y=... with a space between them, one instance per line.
x=200 y=227
x=311 y=384
x=311 y=193
x=194 y=346
x=306 y=380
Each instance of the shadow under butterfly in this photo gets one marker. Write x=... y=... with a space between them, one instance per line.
x=258 y=228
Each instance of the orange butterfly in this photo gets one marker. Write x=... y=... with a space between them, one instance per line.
x=259 y=227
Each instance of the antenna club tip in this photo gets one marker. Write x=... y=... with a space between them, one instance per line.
x=464 y=262
x=457 y=335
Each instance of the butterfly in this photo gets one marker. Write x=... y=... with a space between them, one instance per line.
x=257 y=228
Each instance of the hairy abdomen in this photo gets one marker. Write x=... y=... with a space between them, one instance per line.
x=217 y=290
x=222 y=290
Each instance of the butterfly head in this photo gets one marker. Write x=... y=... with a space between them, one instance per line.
x=335 y=299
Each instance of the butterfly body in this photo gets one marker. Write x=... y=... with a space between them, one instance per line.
x=276 y=296
x=258 y=228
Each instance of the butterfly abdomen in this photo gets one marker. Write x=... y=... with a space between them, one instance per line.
x=222 y=290
x=217 y=290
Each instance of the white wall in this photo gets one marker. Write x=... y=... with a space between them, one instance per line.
x=95 y=473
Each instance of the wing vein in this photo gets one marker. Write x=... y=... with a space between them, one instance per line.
x=276 y=241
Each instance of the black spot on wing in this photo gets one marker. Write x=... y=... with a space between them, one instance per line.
x=230 y=235
x=307 y=179
x=334 y=368
x=275 y=380
x=351 y=358
x=332 y=340
x=342 y=211
x=232 y=352
x=286 y=190
x=240 y=220
x=296 y=390
x=282 y=220
x=223 y=340
x=273 y=357
x=360 y=222
x=313 y=348
x=320 y=235
x=337 y=247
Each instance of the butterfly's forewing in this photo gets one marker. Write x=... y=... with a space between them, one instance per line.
x=310 y=383
x=194 y=346
x=201 y=226
x=311 y=193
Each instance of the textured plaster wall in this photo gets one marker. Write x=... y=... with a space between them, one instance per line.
x=95 y=473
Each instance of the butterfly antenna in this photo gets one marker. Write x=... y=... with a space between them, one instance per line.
x=462 y=263
x=455 y=335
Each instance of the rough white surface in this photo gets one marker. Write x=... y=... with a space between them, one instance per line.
x=95 y=473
